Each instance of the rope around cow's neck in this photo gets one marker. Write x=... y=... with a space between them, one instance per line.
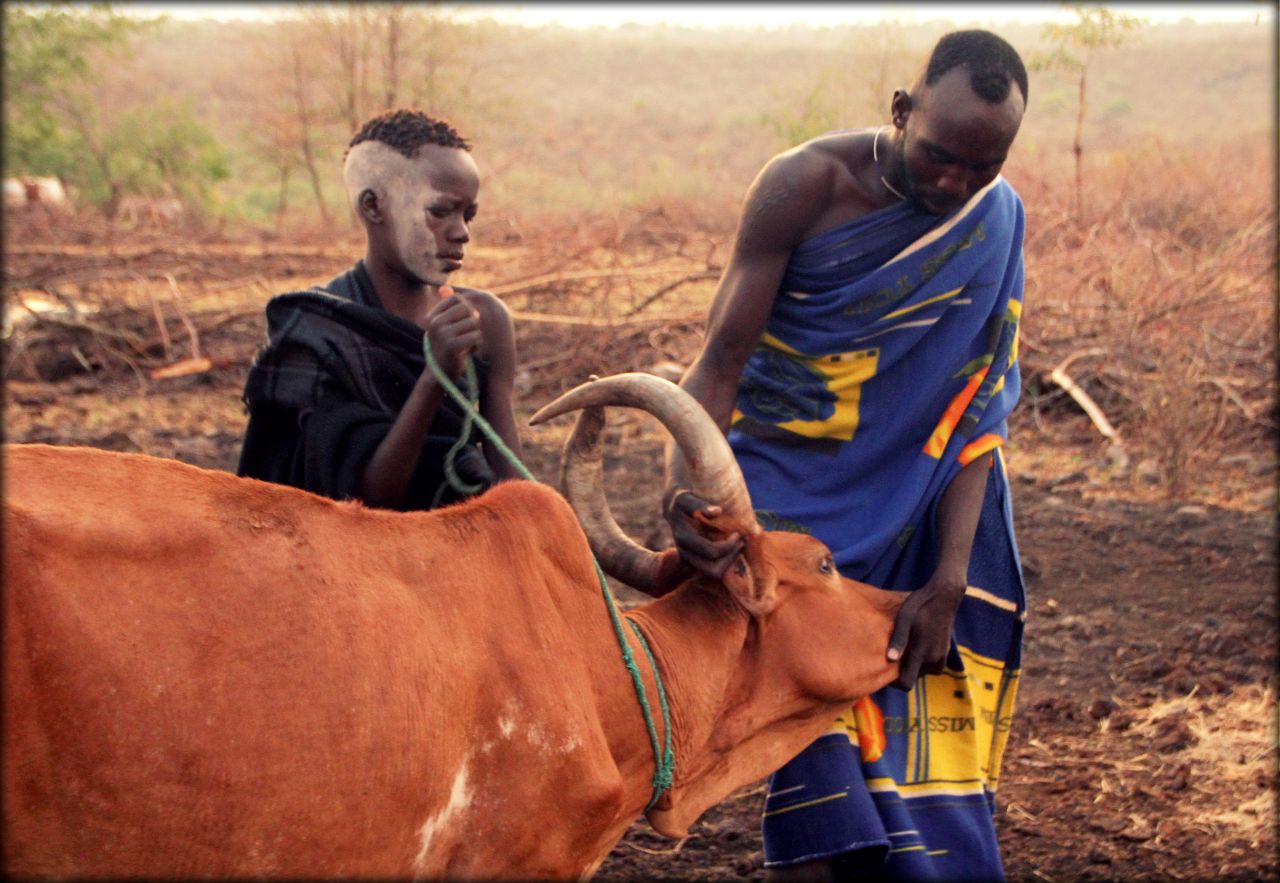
x=664 y=757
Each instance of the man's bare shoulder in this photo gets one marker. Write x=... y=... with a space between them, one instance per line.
x=836 y=153
x=793 y=189
x=809 y=185
x=809 y=166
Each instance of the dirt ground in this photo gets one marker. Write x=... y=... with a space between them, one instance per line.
x=1144 y=746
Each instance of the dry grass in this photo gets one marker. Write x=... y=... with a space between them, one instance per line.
x=1231 y=749
x=1161 y=300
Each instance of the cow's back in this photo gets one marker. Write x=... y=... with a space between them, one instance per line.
x=206 y=674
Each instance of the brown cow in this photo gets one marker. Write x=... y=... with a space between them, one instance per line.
x=152 y=211
x=214 y=676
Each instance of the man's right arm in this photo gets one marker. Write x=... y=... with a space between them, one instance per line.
x=782 y=205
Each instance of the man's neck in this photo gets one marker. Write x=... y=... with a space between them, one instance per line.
x=855 y=187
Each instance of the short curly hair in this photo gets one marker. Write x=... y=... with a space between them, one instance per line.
x=405 y=131
x=993 y=64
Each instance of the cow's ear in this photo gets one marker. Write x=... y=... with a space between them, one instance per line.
x=754 y=588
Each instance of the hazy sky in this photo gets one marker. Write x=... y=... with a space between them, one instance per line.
x=751 y=15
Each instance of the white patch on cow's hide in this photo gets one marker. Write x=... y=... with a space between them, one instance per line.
x=590 y=870
x=534 y=734
x=538 y=737
x=459 y=799
x=544 y=742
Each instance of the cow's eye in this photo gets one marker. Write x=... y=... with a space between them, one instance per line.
x=827 y=566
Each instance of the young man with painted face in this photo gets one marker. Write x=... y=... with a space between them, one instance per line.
x=861 y=356
x=341 y=400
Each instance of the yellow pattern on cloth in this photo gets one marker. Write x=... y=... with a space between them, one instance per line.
x=843 y=373
x=957 y=726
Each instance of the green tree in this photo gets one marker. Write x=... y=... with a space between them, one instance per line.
x=61 y=119
x=45 y=64
x=162 y=149
x=1096 y=28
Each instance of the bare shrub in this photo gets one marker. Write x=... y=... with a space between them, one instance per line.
x=1165 y=304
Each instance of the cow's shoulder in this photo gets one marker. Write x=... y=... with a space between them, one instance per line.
x=529 y=501
x=530 y=520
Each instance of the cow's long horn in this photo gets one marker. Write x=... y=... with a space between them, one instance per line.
x=713 y=472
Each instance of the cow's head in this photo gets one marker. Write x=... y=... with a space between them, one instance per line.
x=811 y=640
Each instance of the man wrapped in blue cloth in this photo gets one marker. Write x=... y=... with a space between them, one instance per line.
x=861 y=356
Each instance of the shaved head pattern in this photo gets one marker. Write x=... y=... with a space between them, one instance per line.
x=992 y=63
x=379 y=157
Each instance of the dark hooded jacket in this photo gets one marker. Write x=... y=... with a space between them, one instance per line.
x=326 y=387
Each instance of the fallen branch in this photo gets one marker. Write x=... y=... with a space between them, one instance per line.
x=1087 y=404
x=67 y=302
x=164 y=331
x=183 y=368
x=1224 y=384
x=1059 y=376
x=579 y=276
x=597 y=322
x=672 y=286
x=83 y=325
x=191 y=328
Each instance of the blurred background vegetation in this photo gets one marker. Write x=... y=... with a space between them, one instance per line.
x=247 y=120
x=614 y=161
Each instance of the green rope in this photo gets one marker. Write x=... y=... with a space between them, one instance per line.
x=664 y=770
x=452 y=478
x=664 y=757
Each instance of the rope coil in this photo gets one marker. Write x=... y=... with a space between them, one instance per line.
x=452 y=478
x=664 y=756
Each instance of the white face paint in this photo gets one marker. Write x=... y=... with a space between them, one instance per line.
x=429 y=202
x=430 y=214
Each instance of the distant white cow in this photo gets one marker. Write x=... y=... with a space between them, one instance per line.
x=31 y=191
x=15 y=195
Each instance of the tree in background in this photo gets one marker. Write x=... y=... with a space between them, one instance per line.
x=326 y=69
x=162 y=149
x=852 y=93
x=276 y=145
x=1094 y=29
x=62 y=118
x=304 y=114
x=385 y=55
x=47 y=70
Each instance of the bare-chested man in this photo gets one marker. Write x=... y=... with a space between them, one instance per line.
x=861 y=356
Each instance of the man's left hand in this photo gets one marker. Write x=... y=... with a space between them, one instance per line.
x=922 y=630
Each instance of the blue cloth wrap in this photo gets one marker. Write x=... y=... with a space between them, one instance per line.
x=889 y=361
